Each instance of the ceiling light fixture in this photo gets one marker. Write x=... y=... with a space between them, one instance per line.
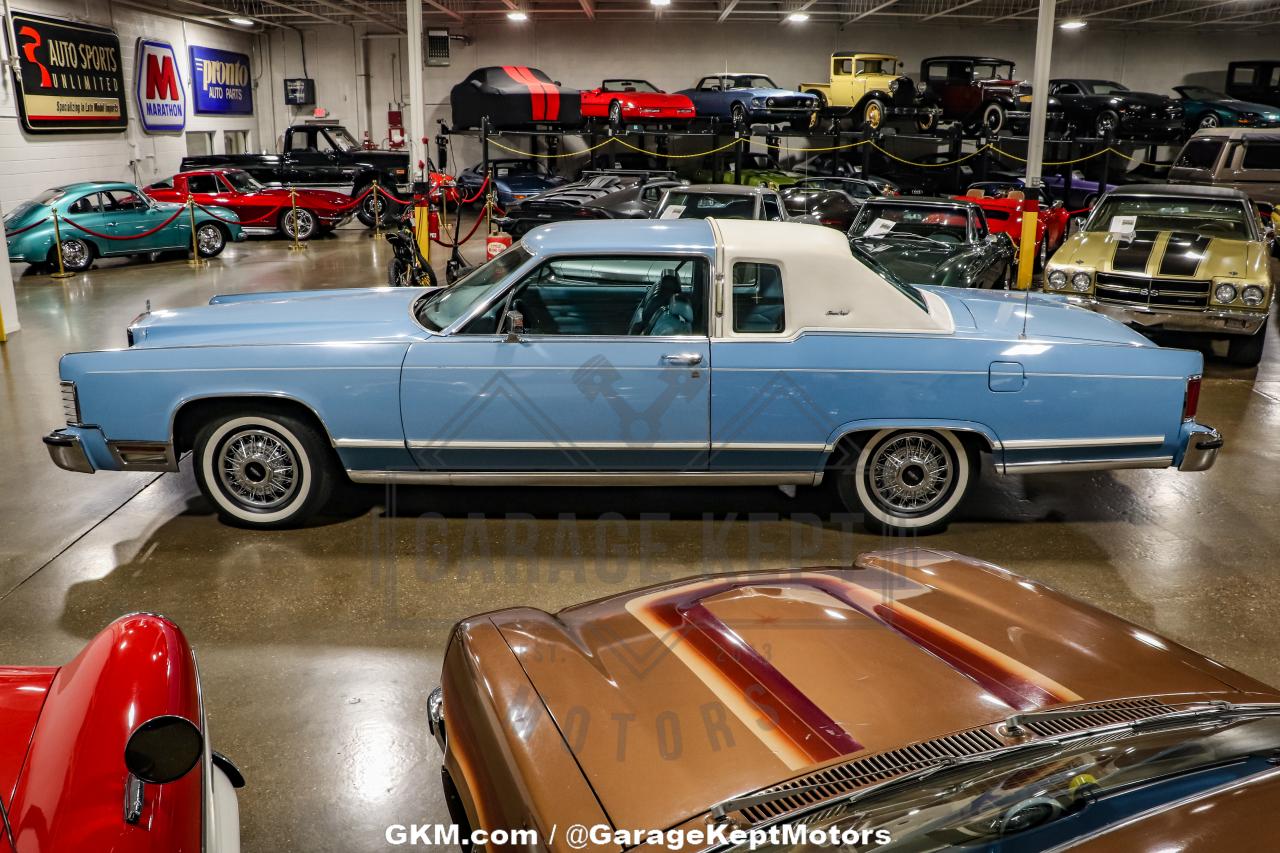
x=1073 y=25
x=659 y=2
x=517 y=15
x=241 y=22
x=798 y=17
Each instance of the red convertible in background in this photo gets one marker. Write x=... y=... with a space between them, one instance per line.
x=110 y=752
x=634 y=101
x=1002 y=206
x=262 y=210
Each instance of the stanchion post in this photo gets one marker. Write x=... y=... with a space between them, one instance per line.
x=377 y=210
x=297 y=245
x=57 y=242
x=488 y=203
x=195 y=260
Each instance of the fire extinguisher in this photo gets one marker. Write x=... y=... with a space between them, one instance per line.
x=495 y=244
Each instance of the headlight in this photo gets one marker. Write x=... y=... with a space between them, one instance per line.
x=1253 y=295
x=1058 y=279
x=1081 y=282
x=757 y=102
x=1225 y=293
x=923 y=87
x=769 y=102
x=893 y=85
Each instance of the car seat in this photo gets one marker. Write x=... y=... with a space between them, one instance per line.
x=675 y=318
x=657 y=297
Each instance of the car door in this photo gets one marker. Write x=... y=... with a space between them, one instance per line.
x=305 y=163
x=1072 y=98
x=611 y=373
x=133 y=218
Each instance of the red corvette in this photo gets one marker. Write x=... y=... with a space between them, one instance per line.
x=629 y=101
x=262 y=210
x=1002 y=206
x=110 y=751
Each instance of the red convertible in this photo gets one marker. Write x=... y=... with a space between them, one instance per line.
x=111 y=752
x=634 y=101
x=1002 y=203
x=262 y=210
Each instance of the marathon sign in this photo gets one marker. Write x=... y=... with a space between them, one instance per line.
x=162 y=100
x=221 y=82
x=69 y=76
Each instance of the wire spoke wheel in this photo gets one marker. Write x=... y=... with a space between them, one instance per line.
x=75 y=254
x=209 y=239
x=257 y=469
x=911 y=474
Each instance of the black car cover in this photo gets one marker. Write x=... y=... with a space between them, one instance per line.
x=514 y=96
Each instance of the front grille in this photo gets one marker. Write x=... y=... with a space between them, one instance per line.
x=791 y=103
x=905 y=96
x=70 y=403
x=1176 y=294
x=870 y=770
x=1099 y=714
x=841 y=779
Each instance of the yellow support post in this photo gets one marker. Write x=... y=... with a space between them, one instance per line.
x=195 y=260
x=297 y=246
x=1027 y=247
x=422 y=227
x=57 y=242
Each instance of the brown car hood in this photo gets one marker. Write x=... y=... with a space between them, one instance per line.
x=674 y=698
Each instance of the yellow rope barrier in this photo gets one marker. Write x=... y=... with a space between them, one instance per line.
x=803 y=149
x=893 y=156
x=511 y=150
x=724 y=147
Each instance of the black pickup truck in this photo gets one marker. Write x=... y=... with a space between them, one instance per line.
x=321 y=157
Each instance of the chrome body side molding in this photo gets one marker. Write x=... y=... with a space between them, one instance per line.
x=603 y=478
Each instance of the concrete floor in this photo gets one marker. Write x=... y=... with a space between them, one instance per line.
x=318 y=646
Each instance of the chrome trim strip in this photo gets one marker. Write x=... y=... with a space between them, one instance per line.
x=569 y=478
x=370 y=443
x=771 y=445
x=462 y=444
x=1063 y=465
x=147 y=455
x=1117 y=441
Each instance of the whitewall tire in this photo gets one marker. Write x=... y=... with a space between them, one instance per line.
x=906 y=480
x=263 y=470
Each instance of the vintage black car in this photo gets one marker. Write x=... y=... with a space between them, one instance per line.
x=514 y=97
x=832 y=208
x=1108 y=109
x=597 y=195
x=320 y=157
x=858 y=189
x=1255 y=80
x=982 y=93
x=932 y=241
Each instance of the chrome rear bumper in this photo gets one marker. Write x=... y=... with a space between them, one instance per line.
x=1202 y=450
x=67 y=452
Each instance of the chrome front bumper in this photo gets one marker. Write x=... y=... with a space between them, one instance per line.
x=435 y=717
x=1225 y=321
x=1202 y=450
x=67 y=452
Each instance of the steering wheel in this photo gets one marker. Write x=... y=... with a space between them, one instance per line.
x=1216 y=227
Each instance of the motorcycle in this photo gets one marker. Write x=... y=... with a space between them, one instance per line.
x=408 y=268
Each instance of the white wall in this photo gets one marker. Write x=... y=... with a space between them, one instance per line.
x=30 y=163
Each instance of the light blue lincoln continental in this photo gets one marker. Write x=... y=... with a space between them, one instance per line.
x=648 y=353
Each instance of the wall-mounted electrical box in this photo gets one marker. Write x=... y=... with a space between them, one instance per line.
x=299 y=91
x=437 y=47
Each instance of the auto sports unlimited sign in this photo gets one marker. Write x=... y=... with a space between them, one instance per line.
x=69 y=76
x=162 y=101
x=221 y=82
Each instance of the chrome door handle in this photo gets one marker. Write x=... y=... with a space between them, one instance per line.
x=689 y=358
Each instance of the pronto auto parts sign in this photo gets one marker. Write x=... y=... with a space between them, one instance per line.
x=162 y=100
x=69 y=76
x=221 y=82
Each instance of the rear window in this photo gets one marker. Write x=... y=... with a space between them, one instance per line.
x=1262 y=155
x=1199 y=154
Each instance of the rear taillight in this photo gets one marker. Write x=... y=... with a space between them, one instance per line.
x=1192 y=400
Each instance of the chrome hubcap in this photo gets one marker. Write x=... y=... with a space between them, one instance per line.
x=911 y=473
x=258 y=469
x=74 y=253
x=298 y=223
x=208 y=238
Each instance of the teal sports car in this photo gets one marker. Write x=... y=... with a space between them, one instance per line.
x=1209 y=108
x=101 y=219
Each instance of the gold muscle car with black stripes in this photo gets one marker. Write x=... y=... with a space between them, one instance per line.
x=1176 y=259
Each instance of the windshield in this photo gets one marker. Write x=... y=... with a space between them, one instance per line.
x=241 y=182
x=629 y=86
x=342 y=139
x=698 y=205
x=749 y=81
x=20 y=211
x=1211 y=217
x=1052 y=794
x=503 y=168
x=438 y=310
x=857 y=189
x=940 y=222
x=1200 y=93
x=1103 y=87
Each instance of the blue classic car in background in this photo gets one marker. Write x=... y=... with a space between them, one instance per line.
x=1209 y=108
x=585 y=355
x=514 y=179
x=747 y=99
x=109 y=218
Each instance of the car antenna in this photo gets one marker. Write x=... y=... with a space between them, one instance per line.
x=1026 y=311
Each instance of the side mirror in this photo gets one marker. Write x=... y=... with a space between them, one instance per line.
x=515 y=326
x=1057 y=205
x=163 y=749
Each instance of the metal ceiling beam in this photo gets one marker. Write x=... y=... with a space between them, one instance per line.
x=948 y=11
x=1269 y=9
x=589 y=8
x=1184 y=11
x=858 y=17
x=726 y=9
x=182 y=16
